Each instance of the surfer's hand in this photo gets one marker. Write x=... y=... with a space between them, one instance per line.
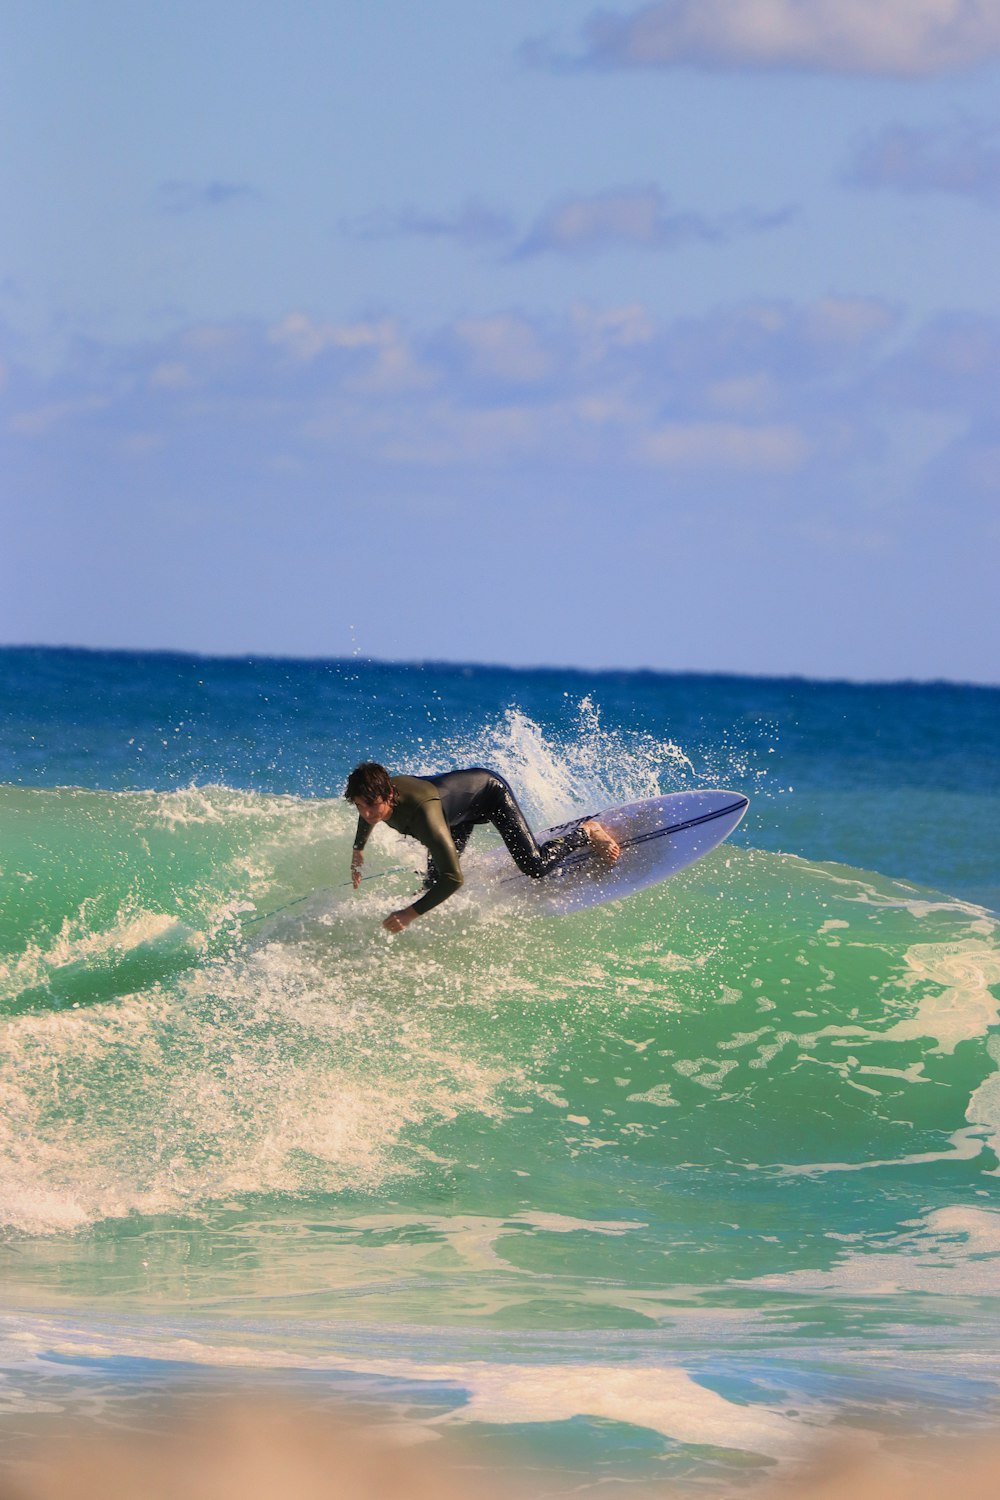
x=399 y=919
x=357 y=860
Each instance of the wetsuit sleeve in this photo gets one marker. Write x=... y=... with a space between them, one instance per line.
x=361 y=836
x=436 y=834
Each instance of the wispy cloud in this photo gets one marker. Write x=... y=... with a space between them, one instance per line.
x=180 y=197
x=901 y=38
x=963 y=160
x=952 y=365
x=765 y=399
x=755 y=448
x=39 y=421
x=475 y=224
x=639 y=217
x=504 y=348
x=765 y=390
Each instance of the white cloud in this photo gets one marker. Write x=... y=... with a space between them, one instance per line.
x=505 y=348
x=905 y=38
x=764 y=397
x=613 y=326
x=751 y=395
x=963 y=161
x=379 y=357
x=394 y=370
x=773 y=449
x=304 y=339
x=170 y=375
x=602 y=410
x=635 y=217
x=849 y=321
x=639 y=217
x=38 y=421
x=600 y=335
x=952 y=365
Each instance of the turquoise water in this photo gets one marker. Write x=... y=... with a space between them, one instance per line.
x=670 y=1188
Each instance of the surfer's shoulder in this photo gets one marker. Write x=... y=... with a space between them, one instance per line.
x=415 y=798
x=415 y=790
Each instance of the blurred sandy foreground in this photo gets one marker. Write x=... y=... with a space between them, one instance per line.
x=265 y=1449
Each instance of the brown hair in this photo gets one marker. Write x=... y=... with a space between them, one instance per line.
x=370 y=781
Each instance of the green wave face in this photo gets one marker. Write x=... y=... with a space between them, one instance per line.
x=761 y=1042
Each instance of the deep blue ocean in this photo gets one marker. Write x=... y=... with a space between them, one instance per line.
x=671 y=1189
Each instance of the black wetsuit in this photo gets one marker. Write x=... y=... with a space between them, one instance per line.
x=441 y=812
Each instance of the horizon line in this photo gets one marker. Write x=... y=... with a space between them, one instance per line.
x=358 y=659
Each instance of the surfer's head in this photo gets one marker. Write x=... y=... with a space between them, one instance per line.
x=371 y=791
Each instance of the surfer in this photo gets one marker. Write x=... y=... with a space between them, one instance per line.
x=441 y=813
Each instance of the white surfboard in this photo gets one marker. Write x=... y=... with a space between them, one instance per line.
x=659 y=836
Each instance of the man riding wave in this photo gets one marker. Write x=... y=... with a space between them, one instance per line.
x=441 y=813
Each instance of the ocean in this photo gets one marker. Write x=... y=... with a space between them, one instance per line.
x=668 y=1191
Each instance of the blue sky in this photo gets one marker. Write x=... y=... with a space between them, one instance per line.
x=646 y=335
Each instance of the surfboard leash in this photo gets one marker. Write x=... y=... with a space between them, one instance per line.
x=337 y=886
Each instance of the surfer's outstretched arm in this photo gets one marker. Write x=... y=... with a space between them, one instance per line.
x=361 y=834
x=431 y=828
x=442 y=860
x=434 y=833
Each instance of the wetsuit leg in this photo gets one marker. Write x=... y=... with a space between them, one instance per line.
x=531 y=858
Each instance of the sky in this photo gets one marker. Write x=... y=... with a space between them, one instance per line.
x=661 y=335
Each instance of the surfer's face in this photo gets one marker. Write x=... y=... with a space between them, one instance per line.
x=375 y=811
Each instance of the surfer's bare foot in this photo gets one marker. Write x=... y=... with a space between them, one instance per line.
x=605 y=843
